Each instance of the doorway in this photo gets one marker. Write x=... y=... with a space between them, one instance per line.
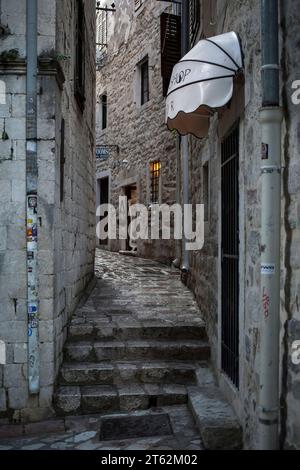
x=131 y=194
x=104 y=199
x=230 y=256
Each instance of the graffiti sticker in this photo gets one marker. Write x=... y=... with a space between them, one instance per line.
x=266 y=303
x=264 y=151
x=32 y=202
x=32 y=308
x=268 y=269
x=34 y=323
x=32 y=233
x=296 y=353
x=2 y=352
x=2 y=92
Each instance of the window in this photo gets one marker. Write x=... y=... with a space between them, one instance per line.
x=80 y=54
x=104 y=111
x=170 y=46
x=205 y=190
x=144 y=67
x=195 y=20
x=101 y=39
x=155 y=173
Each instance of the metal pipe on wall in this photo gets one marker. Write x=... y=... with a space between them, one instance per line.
x=177 y=260
x=31 y=196
x=271 y=120
x=185 y=45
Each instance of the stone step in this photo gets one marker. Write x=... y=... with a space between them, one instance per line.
x=94 y=330
x=106 y=399
x=216 y=420
x=104 y=373
x=98 y=351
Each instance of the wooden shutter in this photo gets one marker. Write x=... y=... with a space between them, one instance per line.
x=170 y=46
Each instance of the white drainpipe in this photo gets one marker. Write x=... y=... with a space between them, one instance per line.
x=271 y=120
x=185 y=23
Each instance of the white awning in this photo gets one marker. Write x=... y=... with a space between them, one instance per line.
x=202 y=82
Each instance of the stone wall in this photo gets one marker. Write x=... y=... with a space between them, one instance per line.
x=66 y=229
x=291 y=225
x=242 y=17
x=139 y=131
x=74 y=219
x=206 y=265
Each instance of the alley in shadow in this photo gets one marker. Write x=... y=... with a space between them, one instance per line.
x=133 y=348
x=135 y=373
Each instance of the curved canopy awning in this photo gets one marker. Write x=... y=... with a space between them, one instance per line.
x=202 y=82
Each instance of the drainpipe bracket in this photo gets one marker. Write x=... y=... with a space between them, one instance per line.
x=271 y=169
x=268 y=410
x=270 y=67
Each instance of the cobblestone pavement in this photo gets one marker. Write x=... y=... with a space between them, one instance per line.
x=82 y=433
x=135 y=297
x=148 y=290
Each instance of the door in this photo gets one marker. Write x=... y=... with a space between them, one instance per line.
x=230 y=256
x=104 y=199
x=131 y=194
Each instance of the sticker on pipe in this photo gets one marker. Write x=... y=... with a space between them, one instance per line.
x=268 y=269
x=264 y=151
x=2 y=352
x=32 y=308
x=32 y=202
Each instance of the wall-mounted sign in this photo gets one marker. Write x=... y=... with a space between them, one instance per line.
x=102 y=152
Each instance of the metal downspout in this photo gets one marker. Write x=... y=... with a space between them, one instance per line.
x=185 y=40
x=177 y=261
x=177 y=9
x=271 y=121
x=31 y=197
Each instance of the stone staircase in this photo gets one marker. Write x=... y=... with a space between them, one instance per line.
x=138 y=344
x=129 y=369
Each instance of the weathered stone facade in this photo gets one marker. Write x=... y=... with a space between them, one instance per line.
x=66 y=238
x=137 y=130
x=205 y=275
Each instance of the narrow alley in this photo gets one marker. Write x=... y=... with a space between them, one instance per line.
x=137 y=313
x=115 y=391
x=150 y=226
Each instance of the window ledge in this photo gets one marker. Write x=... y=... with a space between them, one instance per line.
x=144 y=107
x=102 y=133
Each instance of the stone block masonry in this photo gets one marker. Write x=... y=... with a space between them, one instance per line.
x=138 y=130
x=66 y=228
x=205 y=278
